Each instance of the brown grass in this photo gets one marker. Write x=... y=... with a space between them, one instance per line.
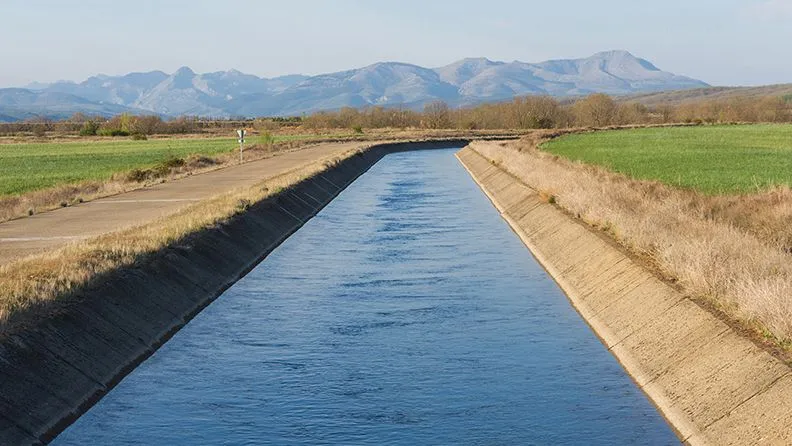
x=732 y=252
x=39 y=282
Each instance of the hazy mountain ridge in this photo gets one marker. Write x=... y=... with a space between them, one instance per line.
x=232 y=93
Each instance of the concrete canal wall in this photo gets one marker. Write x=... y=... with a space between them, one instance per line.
x=713 y=385
x=55 y=370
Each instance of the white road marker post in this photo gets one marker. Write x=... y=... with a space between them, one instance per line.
x=241 y=134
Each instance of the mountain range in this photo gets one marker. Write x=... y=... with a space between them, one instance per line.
x=390 y=84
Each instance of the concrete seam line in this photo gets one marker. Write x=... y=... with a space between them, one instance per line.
x=312 y=197
x=677 y=303
x=766 y=388
x=18 y=426
x=290 y=214
x=300 y=199
x=713 y=338
x=328 y=180
x=322 y=187
x=78 y=369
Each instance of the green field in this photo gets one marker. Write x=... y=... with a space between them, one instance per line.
x=711 y=159
x=27 y=167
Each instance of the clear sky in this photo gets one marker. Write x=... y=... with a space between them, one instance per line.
x=723 y=42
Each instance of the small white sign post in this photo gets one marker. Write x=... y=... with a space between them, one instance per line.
x=241 y=134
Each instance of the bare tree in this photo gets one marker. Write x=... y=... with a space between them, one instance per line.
x=437 y=115
x=597 y=110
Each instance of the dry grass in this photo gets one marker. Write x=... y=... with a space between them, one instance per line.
x=37 y=283
x=731 y=251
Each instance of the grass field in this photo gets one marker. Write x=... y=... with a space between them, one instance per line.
x=28 y=167
x=711 y=159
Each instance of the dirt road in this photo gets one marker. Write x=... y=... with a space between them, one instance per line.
x=49 y=230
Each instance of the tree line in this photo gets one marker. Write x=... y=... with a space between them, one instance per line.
x=544 y=112
x=529 y=112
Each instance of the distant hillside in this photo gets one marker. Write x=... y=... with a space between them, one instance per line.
x=17 y=104
x=232 y=93
x=710 y=94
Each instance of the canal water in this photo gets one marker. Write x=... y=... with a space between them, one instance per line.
x=406 y=312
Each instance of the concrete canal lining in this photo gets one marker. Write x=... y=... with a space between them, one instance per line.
x=56 y=369
x=713 y=385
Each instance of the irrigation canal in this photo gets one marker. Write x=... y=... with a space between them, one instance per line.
x=406 y=312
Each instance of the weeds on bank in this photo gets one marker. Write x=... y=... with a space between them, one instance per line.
x=732 y=251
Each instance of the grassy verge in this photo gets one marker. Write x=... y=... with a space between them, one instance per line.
x=730 y=253
x=710 y=159
x=94 y=168
x=29 y=167
x=36 y=285
x=124 y=166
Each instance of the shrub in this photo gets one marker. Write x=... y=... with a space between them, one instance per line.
x=39 y=131
x=172 y=162
x=89 y=128
x=266 y=139
x=139 y=137
x=112 y=132
x=137 y=175
x=243 y=205
x=357 y=129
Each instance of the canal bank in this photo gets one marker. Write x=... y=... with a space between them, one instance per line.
x=713 y=385
x=55 y=369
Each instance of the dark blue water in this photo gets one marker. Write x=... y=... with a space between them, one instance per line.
x=406 y=312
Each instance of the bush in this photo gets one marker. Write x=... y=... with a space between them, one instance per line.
x=266 y=139
x=172 y=162
x=39 y=131
x=357 y=129
x=89 y=128
x=139 y=137
x=138 y=175
x=112 y=132
x=163 y=168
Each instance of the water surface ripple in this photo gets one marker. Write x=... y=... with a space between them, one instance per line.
x=406 y=312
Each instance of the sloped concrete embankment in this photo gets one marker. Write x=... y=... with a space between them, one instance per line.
x=712 y=385
x=55 y=370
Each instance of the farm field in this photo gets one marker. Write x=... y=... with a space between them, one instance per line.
x=728 y=159
x=31 y=166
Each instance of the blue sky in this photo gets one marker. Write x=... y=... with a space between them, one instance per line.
x=723 y=42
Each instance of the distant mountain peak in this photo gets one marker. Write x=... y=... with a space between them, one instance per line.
x=37 y=86
x=463 y=70
x=476 y=60
x=613 y=53
x=390 y=65
x=184 y=71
